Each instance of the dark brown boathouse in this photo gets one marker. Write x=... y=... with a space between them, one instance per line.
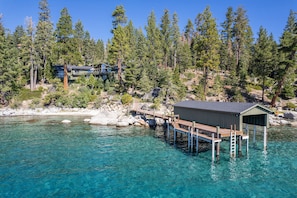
x=223 y=114
x=213 y=121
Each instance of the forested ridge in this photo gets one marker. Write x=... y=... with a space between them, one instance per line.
x=201 y=61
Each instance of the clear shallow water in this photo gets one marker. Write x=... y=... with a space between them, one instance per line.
x=45 y=158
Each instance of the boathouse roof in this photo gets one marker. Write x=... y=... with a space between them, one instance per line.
x=226 y=107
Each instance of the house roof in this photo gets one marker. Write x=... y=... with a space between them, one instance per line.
x=227 y=107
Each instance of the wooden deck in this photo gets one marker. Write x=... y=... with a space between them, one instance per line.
x=196 y=131
x=181 y=124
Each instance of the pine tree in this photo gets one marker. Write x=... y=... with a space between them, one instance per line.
x=185 y=54
x=165 y=36
x=176 y=44
x=119 y=42
x=28 y=53
x=189 y=32
x=99 y=52
x=10 y=70
x=155 y=53
x=264 y=57
x=287 y=51
x=79 y=35
x=208 y=44
x=119 y=17
x=88 y=52
x=118 y=50
x=132 y=63
x=242 y=35
x=63 y=35
x=44 y=39
x=226 y=52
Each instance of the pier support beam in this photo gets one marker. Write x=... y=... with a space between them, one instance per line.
x=197 y=141
x=239 y=146
x=212 y=148
x=218 y=144
x=192 y=136
x=189 y=139
x=174 y=136
x=168 y=131
x=265 y=138
x=254 y=134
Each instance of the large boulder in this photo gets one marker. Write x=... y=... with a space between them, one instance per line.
x=292 y=115
x=105 y=118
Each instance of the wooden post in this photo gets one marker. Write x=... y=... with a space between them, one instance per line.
x=218 y=144
x=247 y=140
x=192 y=135
x=254 y=135
x=239 y=145
x=189 y=140
x=265 y=138
x=247 y=145
x=197 y=141
x=212 y=147
x=174 y=136
x=168 y=131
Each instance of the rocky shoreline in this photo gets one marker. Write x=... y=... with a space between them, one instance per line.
x=111 y=115
x=118 y=115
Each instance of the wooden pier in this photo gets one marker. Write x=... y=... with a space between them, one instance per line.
x=196 y=132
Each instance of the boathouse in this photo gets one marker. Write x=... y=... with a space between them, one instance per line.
x=223 y=114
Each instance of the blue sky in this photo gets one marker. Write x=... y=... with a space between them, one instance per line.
x=96 y=14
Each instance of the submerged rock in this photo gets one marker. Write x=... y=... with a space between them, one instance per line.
x=66 y=121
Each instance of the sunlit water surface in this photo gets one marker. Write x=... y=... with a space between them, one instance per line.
x=41 y=157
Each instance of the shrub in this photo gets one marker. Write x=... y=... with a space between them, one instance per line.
x=156 y=104
x=15 y=104
x=291 y=105
x=35 y=102
x=126 y=99
x=189 y=75
x=79 y=101
x=27 y=94
x=98 y=102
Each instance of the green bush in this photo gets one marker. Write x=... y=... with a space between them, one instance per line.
x=291 y=105
x=15 y=104
x=35 y=102
x=189 y=75
x=27 y=94
x=156 y=104
x=52 y=98
x=79 y=101
x=98 y=102
x=126 y=99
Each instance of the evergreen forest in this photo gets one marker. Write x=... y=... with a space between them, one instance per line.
x=202 y=61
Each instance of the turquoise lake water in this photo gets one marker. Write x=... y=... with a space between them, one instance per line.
x=41 y=157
